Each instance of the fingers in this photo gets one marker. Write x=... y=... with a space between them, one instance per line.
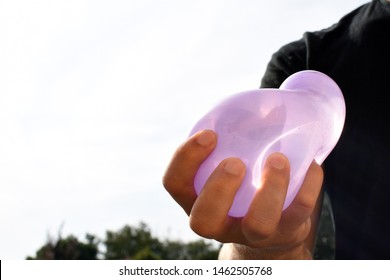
x=209 y=215
x=304 y=203
x=265 y=210
x=179 y=176
x=265 y=224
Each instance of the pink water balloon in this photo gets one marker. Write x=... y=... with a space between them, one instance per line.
x=303 y=119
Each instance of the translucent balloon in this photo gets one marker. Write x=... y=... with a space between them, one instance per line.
x=303 y=119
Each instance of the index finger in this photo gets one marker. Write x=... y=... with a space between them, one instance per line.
x=178 y=179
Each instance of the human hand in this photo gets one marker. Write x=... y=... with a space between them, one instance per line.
x=265 y=232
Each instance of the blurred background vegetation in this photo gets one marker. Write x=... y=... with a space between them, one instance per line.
x=138 y=243
x=130 y=242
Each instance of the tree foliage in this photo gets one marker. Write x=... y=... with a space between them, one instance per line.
x=136 y=243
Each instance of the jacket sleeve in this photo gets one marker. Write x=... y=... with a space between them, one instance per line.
x=288 y=60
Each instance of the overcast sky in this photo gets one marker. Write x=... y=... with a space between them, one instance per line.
x=95 y=96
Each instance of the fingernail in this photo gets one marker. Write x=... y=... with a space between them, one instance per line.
x=205 y=138
x=233 y=166
x=277 y=161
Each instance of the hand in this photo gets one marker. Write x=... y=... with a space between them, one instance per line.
x=265 y=231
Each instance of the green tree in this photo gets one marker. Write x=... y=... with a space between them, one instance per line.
x=129 y=242
x=194 y=250
x=201 y=250
x=69 y=248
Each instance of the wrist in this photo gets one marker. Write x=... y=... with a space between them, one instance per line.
x=233 y=251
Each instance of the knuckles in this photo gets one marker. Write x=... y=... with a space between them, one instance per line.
x=256 y=229
x=205 y=228
x=169 y=182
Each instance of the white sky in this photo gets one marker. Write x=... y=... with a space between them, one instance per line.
x=95 y=96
